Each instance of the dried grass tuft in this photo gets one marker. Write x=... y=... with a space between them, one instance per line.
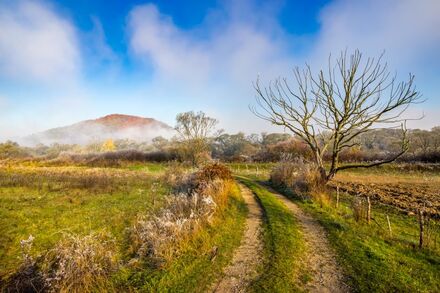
x=80 y=263
x=159 y=238
x=303 y=178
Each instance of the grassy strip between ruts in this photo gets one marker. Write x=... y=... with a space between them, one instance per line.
x=374 y=260
x=283 y=245
x=196 y=267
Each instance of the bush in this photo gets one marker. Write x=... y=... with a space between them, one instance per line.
x=357 y=206
x=28 y=277
x=80 y=264
x=301 y=177
x=209 y=173
x=75 y=264
x=157 y=239
x=176 y=177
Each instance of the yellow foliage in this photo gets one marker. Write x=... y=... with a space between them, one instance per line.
x=108 y=146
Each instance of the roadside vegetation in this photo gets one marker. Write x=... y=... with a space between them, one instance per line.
x=75 y=228
x=377 y=246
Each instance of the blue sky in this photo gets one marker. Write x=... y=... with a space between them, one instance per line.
x=65 y=61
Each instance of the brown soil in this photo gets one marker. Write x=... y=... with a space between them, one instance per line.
x=319 y=261
x=247 y=257
x=407 y=196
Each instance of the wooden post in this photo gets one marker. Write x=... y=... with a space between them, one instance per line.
x=337 y=197
x=421 y=227
x=368 y=210
x=389 y=225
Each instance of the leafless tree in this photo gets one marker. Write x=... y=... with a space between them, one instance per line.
x=194 y=131
x=331 y=109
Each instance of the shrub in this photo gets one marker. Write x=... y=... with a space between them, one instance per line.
x=301 y=177
x=158 y=238
x=210 y=173
x=358 y=208
x=28 y=277
x=80 y=264
x=75 y=264
x=176 y=177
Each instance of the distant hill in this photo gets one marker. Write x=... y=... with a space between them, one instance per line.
x=114 y=126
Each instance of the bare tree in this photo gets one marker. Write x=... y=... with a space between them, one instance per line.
x=331 y=109
x=194 y=131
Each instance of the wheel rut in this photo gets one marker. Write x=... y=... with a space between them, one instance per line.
x=320 y=259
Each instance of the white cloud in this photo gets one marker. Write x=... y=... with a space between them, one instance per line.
x=36 y=44
x=408 y=32
x=230 y=52
x=213 y=65
x=406 y=29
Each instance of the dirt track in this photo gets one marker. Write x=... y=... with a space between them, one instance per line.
x=320 y=260
x=247 y=257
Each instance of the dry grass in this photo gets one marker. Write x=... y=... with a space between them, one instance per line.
x=158 y=238
x=75 y=264
x=80 y=264
x=301 y=178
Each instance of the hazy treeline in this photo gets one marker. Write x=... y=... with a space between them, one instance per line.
x=265 y=147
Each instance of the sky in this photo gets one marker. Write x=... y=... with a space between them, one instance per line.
x=70 y=60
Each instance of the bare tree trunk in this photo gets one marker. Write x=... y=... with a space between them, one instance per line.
x=421 y=227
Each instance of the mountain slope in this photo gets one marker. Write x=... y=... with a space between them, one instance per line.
x=114 y=126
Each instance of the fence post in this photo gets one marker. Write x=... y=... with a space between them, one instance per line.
x=421 y=227
x=368 y=210
x=337 y=196
x=389 y=225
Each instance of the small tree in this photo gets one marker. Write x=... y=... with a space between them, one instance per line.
x=194 y=132
x=331 y=109
x=108 y=146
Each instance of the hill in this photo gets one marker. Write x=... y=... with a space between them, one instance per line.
x=114 y=126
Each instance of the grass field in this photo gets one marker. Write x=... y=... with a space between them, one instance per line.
x=47 y=202
x=52 y=202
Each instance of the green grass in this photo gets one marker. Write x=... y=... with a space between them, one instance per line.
x=147 y=167
x=373 y=260
x=283 y=245
x=53 y=208
x=193 y=270
x=47 y=202
x=251 y=169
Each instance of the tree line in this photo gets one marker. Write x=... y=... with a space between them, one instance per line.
x=378 y=144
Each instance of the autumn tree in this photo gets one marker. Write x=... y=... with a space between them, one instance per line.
x=194 y=132
x=108 y=146
x=330 y=109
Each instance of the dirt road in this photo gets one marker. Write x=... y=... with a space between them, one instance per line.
x=243 y=268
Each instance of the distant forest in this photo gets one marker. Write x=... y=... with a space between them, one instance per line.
x=374 y=145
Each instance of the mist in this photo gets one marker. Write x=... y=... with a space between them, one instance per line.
x=84 y=133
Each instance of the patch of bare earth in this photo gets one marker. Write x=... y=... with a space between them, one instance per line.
x=320 y=260
x=247 y=257
x=405 y=194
